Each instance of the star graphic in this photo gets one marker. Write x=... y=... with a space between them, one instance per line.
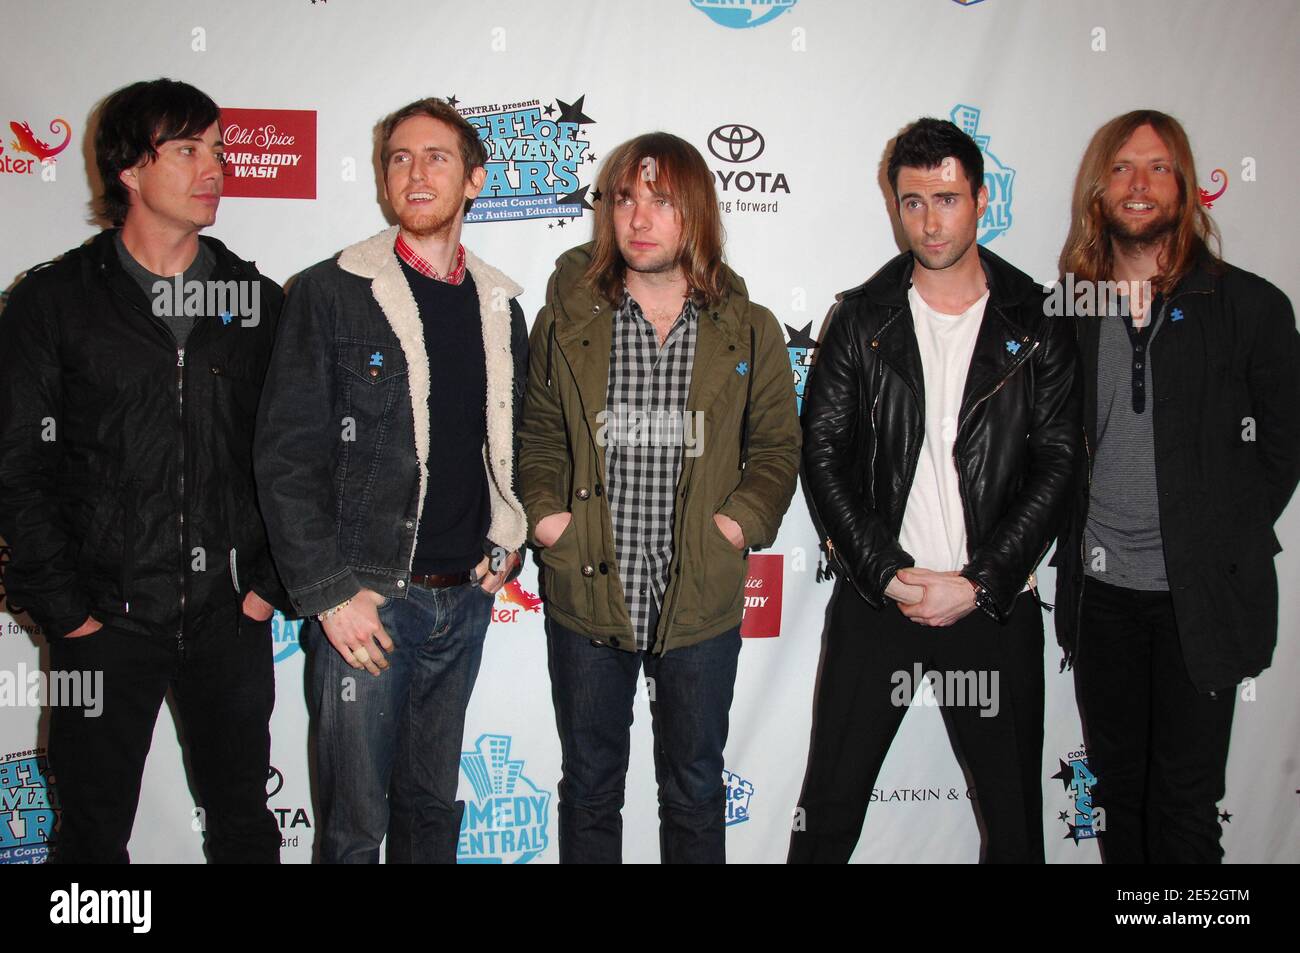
x=560 y=223
x=549 y=109
x=1065 y=775
x=452 y=100
x=1072 y=834
x=591 y=157
x=550 y=224
x=1063 y=815
x=572 y=112
x=576 y=198
x=799 y=337
x=1225 y=817
x=595 y=197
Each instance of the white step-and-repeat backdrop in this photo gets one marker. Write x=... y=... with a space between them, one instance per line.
x=791 y=102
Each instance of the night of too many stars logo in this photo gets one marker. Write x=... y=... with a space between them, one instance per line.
x=538 y=153
x=28 y=807
x=800 y=345
x=506 y=819
x=1077 y=779
x=999 y=178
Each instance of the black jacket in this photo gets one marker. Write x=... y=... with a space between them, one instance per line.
x=1227 y=351
x=1018 y=443
x=126 y=477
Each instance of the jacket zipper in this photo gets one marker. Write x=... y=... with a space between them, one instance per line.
x=180 y=416
x=961 y=483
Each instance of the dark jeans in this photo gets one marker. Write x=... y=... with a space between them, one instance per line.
x=224 y=689
x=593 y=688
x=1157 y=746
x=861 y=702
x=388 y=746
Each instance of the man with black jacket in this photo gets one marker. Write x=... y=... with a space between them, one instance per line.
x=941 y=435
x=126 y=484
x=1167 y=595
x=386 y=459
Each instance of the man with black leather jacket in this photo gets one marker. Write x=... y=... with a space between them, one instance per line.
x=941 y=435
x=126 y=485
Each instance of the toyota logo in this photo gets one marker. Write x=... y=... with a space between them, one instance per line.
x=736 y=143
x=274 y=781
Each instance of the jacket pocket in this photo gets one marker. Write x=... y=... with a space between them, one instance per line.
x=722 y=575
x=372 y=364
x=565 y=585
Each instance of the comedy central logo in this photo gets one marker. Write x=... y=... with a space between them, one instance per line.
x=506 y=820
x=1083 y=821
x=737 y=145
x=998 y=178
x=284 y=635
x=536 y=156
x=26 y=143
x=28 y=808
x=742 y=14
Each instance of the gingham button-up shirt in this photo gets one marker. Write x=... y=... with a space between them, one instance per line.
x=648 y=387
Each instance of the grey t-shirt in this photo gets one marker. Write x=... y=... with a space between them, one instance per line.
x=199 y=270
x=1123 y=531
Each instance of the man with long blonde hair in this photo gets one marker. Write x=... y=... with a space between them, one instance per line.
x=659 y=443
x=1167 y=594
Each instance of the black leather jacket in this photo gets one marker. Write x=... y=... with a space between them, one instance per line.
x=1019 y=433
x=141 y=510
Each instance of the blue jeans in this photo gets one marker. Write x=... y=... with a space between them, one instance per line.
x=593 y=688
x=388 y=746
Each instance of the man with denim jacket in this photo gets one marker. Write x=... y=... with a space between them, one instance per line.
x=386 y=460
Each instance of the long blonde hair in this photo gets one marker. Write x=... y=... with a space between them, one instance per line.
x=1088 y=253
x=681 y=174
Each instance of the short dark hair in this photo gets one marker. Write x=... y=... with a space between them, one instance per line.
x=927 y=142
x=134 y=122
x=472 y=151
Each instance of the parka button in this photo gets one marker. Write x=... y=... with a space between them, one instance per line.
x=582 y=493
x=604 y=569
x=401 y=584
x=599 y=490
x=875 y=344
x=595 y=309
x=410 y=524
x=588 y=571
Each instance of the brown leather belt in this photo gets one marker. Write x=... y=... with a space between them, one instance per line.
x=440 y=580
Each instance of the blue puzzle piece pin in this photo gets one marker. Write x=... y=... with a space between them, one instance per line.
x=376 y=360
x=1013 y=346
x=742 y=368
x=1176 y=314
x=225 y=317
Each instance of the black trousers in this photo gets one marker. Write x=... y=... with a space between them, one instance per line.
x=1157 y=746
x=861 y=701
x=224 y=688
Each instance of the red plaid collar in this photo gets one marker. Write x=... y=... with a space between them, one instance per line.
x=416 y=261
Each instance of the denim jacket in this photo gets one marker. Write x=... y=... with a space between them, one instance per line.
x=343 y=439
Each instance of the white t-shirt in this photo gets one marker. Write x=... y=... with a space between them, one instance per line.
x=934 y=526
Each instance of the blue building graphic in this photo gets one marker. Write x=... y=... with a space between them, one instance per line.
x=506 y=820
x=998 y=178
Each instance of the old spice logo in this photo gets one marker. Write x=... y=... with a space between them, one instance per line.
x=271 y=153
x=262 y=137
x=762 y=619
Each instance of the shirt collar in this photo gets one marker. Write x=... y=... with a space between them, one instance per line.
x=421 y=265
